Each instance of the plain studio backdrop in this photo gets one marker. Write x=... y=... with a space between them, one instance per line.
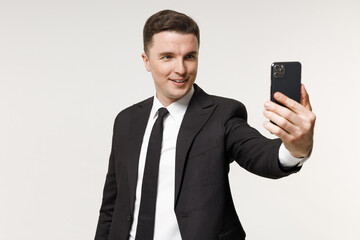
x=68 y=67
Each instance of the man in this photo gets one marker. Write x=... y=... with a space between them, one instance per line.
x=185 y=194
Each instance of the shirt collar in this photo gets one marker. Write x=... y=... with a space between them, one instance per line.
x=176 y=109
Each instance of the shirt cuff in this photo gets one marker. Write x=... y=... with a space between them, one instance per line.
x=288 y=160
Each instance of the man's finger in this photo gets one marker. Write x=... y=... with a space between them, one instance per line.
x=304 y=98
x=282 y=111
x=276 y=130
x=287 y=102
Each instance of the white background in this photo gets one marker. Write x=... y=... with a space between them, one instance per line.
x=68 y=67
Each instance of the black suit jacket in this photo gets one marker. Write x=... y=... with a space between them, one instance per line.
x=214 y=132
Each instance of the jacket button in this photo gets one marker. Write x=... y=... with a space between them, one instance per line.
x=129 y=217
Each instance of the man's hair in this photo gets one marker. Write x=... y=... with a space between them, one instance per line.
x=169 y=20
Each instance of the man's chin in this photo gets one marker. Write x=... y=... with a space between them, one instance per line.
x=179 y=93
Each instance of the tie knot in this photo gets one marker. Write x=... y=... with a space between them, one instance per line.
x=162 y=112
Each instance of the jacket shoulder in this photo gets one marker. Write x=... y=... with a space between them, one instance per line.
x=135 y=106
x=230 y=107
x=127 y=112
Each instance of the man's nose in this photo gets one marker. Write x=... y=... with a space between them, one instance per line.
x=180 y=67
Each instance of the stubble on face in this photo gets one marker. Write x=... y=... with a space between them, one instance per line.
x=172 y=60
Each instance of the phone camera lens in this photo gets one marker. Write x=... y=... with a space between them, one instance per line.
x=282 y=71
x=276 y=74
x=277 y=67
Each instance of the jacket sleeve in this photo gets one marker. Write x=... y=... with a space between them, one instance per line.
x=109 y=197
x=250 y=149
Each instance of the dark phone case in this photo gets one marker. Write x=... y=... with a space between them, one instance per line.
x=288 y=83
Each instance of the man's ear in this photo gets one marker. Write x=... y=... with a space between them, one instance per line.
x=146 y=61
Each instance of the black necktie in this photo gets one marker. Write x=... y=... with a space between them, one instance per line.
x=146 y=219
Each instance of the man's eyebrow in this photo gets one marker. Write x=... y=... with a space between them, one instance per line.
x=192 y=53
x=171 y=53
x=165 y=53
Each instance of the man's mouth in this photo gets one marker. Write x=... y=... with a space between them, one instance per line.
x=178 y=81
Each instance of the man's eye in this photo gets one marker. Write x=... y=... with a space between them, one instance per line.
x=167 y=57
x=189 y=56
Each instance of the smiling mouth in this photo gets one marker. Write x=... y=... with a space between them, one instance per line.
x=178 y=81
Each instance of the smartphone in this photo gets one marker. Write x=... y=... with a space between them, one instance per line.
x=286 y=78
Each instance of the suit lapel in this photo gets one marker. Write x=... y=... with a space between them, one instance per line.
x=198 y=112
x=138 y=124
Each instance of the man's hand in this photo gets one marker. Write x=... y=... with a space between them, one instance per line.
x=295 y=124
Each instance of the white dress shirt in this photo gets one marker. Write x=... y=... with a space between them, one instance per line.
x=166 y=226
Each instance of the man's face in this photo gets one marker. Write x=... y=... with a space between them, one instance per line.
x=172 y=60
